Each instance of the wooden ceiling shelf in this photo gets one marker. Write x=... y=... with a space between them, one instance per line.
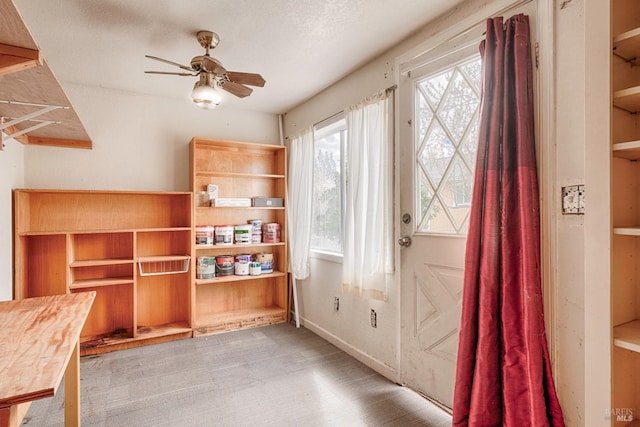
x=33 y=106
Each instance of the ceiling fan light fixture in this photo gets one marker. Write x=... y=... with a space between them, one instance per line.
x=213 y=76
x=204 y=94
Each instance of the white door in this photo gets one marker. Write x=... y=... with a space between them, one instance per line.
x=438 y=113
x=438 y=133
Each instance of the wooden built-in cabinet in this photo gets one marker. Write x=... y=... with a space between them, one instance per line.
x=626 y=210
x=132 y=248
x=240 y=170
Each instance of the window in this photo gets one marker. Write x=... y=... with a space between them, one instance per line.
x=447 y=131
x=328 y=186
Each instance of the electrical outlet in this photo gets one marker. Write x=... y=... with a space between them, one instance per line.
x=374 y=318
x=573 y=200
x=336 y=303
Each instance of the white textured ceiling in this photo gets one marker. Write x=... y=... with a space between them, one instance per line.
x=299 y=46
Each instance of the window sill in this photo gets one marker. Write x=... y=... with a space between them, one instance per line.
x=326 y=256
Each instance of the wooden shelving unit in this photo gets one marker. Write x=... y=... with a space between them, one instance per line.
x=625 y=209
x=241 y=170
x=75 y=241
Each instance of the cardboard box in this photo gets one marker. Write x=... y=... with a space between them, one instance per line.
x=233 y=202
x=268 y=202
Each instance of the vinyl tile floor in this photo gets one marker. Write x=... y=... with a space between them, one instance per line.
x=271 y=376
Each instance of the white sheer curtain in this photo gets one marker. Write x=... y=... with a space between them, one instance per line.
x=300 y=190
x=368 y=256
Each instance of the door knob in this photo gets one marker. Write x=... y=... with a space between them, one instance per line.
x=404 y=241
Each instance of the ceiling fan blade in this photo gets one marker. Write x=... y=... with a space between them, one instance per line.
x=166 y=61
x=211 y=65
x=171 y=73
x=251 y=79
x=237 y=89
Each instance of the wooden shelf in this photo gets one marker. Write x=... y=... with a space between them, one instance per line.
x=627 y=231
x=239 y=319
x=100 y=262
x=234 y=246
x=627 y=99
x=120 y=340
x=245 y=170
x=250 y=208
x=75 y=240
x=628 y=336
x=233 y=278
x=217 y=174
x=629 y=150
x=624 y=204
x=28 y=80
x=96 y=283
x=627 y=44
x=101 y=231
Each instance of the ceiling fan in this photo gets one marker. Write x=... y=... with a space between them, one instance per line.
x=212 y=74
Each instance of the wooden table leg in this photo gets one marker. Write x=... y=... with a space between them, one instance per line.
x=12 y=416
x=72 y=389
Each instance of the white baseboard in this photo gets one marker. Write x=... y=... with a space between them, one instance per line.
x=380 y=367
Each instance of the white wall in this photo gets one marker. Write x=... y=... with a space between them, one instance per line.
x=349 y=328
x=11 y=176
x=140 y=142
x=570 y=229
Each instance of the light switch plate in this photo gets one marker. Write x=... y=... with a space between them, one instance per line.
x=573 y=200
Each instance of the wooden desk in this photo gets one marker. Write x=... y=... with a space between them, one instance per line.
x=39 y=343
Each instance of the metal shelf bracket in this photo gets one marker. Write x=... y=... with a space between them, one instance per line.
x=43 y=109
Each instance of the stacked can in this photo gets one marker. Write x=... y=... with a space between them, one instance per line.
x=256 y=233
x=271 y=232
x=243 y=234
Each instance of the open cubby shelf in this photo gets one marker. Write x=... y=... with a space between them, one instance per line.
x=76 y=241
x=625 y=207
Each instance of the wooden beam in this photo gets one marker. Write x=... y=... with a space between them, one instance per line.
x=14 y=58
x=59 y=142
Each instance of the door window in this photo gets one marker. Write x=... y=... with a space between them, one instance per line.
x=446 y=112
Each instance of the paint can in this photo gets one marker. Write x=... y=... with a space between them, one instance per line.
x=224 y=265
x=243 y=234
x=204 y=235
x=256 y=232
x=224 y=234
x=266 y=262
x=242 y=264
x=255 y=268
x=271 y=232
x=205 y=267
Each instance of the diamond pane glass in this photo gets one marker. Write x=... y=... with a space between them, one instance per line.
x=469 y=145
x=426 y=196
x=436 y=153
x=436 y=220
x=472 y=70
x=425 y=116
x=459 y=105
x=455 y=192
x=435 y=86
x=446 y=145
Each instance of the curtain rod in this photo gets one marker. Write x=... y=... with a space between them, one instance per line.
x=333 y=116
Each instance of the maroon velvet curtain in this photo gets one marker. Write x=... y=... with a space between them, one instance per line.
x=503 y=374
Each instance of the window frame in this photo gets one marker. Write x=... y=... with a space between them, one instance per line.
x=334 y=124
